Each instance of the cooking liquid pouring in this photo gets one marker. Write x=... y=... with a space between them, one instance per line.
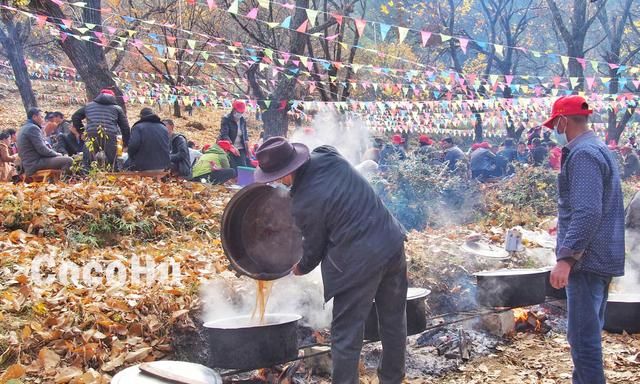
x=263 y=290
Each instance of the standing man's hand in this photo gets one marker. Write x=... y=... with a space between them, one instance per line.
x=560 y=274
x=235 y=151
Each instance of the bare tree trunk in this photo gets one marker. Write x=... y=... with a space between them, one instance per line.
x=12 y=43
x=87 y=58
x=176 y=109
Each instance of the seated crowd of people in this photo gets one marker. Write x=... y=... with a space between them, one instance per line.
x=99 y=133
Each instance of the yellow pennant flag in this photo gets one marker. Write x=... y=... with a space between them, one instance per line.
x=312 y=14
x=444 y=37
x=565 y=61
x=263 y=3
x=500 y=50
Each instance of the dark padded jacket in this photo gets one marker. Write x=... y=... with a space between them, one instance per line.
x=229 y=130
x=180 y=155
x=67 y=144
x=33 y=146
x=103 y=111
x=149 y=146
x=343 y=222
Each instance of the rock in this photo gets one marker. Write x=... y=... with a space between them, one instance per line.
x=196 y=125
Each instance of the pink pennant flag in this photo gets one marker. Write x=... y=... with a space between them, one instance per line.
x=331 y=38
x=590 y=81
x=253 y=13
x=58 y=2
x=582 y=62
x=286 y=56
x=425 y=37
x=613 y=65
x=63 y=36
x=463 y=44
x=42 y=19
x=111 y=30
x=303 y=27
x=212 y=4
x=637 y=84
x=360 y=24
x=508 y=79
x=67 y=23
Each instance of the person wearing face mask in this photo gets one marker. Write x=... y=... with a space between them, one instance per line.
x=360 y=245
x=590 y=242
x=234 y=130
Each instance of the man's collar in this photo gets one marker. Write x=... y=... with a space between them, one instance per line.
x=586 y=135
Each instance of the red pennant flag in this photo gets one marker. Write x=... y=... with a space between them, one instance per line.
x=191 y=2
x=303 y=27
x=338 y=18
x=42 y=20
x=360 y=24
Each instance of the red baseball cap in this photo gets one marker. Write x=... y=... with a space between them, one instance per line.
x=397 y=139
x=425 y=139
x=568 y=106
x=239 y=106
x=107 y=91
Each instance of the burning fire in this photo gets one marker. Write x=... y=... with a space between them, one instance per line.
x=523 y=316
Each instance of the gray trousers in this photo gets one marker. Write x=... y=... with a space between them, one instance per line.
x=350 y=311
x=58 y=162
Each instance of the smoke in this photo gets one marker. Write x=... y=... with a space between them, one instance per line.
x=630 y=282
x=350 y=136
x=229 y=296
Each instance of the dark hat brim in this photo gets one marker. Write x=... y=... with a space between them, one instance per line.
x=301 y=157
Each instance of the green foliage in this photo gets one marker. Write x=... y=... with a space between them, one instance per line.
x=422 y=194
x=108 y=229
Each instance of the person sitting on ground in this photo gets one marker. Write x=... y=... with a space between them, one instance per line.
x=631 y=162
x=149 y=145
x=393 y=151
x=55 y=126
x=13 y=139
x=194 y=153
x=539 y=153
x=632 y=143
x=555 y=156
x=452 y=154
x=105 y=121
x=179 y=155
x=7 y=159
x=34 y=150
x=482 y=162
x=233 y=128
x=71 y=143
x=523 y=156
x=509 y=151
x=213 y=166
x=425 y=150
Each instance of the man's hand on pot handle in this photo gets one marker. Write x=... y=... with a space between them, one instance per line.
x=560 y=274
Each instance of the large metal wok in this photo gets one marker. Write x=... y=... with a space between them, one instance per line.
x=259 y=235
x=511 y=287
x=622 y=313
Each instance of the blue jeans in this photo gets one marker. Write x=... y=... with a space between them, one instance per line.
x=586 y=301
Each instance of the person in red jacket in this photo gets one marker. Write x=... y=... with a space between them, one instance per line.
x=555 y=156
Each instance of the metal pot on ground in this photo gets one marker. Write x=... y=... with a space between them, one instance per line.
x=622 y=313
x=167 y=372
x=244 y=343
x=416 y=317
x=511 y=287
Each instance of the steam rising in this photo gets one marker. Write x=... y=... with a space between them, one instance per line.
x=349 y=137
x=302 y=295
x=630 y=282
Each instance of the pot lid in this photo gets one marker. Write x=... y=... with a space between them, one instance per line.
x=192 y=372
x=249 y=321
x=511 y=272
x=624 y=298
x=416 y=293
x=485 y=250
x=259 y=235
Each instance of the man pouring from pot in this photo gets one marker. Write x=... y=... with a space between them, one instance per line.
x=590 y=246
x=346 y=227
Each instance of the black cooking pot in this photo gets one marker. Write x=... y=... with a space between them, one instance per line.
x=244 y=343
x=416 y=317
x=511 y=287
x=259 y=235
x=622 y=313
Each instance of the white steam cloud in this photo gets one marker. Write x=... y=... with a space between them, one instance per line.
x=229 y=296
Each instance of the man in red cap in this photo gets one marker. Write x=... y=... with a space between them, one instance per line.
x=392 y=152
x=360 y=245
x=590 y=245
x=105 y=121
x=234 y=130
x=425 y=151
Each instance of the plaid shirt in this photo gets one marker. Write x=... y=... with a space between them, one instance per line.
x=590 y=208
